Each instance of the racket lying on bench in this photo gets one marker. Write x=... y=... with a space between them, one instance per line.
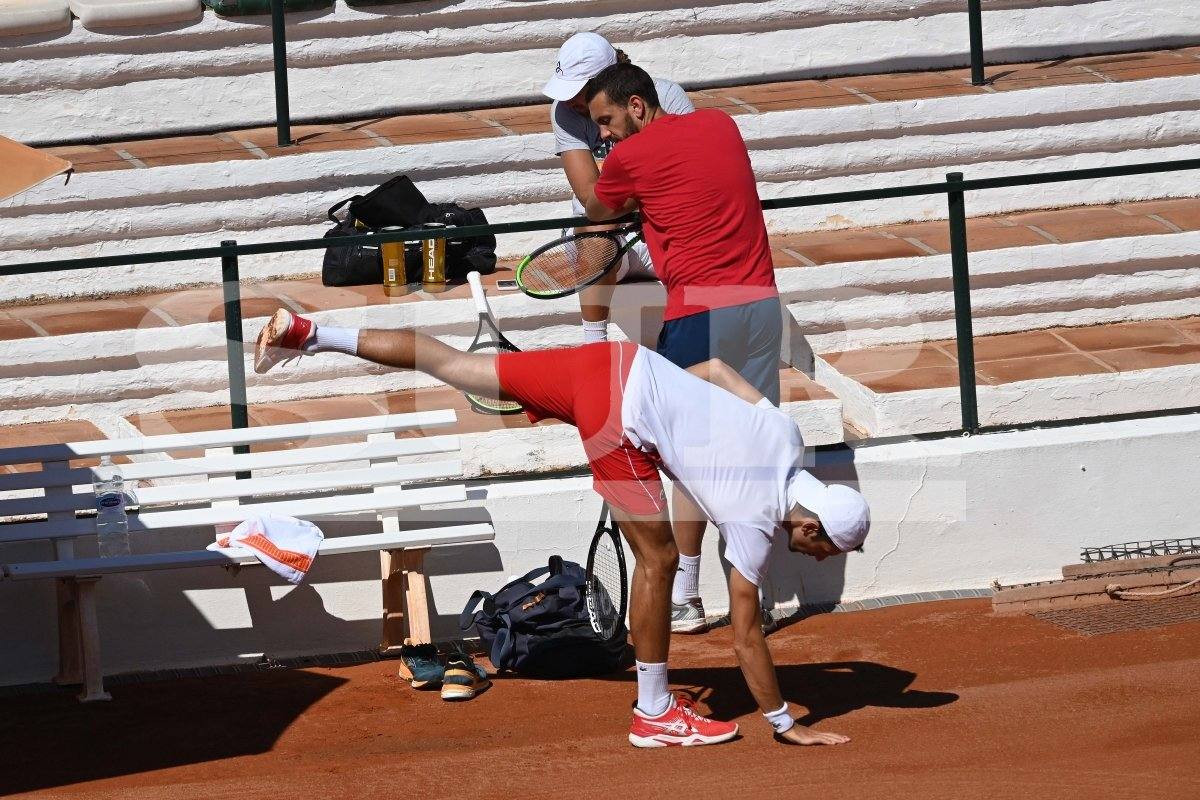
x=567 y=265
x=606 y=586
x=495 y=342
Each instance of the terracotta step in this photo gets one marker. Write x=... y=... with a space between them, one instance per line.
x=755 y=98
x=789 y=251
x=1007 y=358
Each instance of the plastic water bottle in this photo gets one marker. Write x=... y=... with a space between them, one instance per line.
x=112 y=526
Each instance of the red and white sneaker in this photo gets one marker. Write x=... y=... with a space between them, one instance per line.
x=282 y=338
x=679 y=725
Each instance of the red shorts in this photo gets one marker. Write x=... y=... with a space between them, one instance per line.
x=584 y=386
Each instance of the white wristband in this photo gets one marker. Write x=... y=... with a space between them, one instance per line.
x=780 y=719
x=595 y=331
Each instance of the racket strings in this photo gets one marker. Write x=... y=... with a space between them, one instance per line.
x=608 y=586
x=493 y=405
x=570 y=264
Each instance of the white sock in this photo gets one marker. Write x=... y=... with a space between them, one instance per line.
x=687 y=580
x=653 y=697
x=595 y=331
x=334 y=340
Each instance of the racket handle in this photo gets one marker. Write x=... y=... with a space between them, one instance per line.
x=481 y=306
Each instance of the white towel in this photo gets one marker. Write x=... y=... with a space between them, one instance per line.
x=288 y=546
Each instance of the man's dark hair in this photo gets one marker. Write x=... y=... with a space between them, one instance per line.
x=621 y=82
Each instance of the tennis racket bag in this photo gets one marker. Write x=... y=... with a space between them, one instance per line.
x=537 y=626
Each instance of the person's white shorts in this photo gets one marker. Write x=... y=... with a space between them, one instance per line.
x=635 y=264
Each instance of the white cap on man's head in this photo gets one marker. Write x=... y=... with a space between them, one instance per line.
x=843 y=512
x=581 y=58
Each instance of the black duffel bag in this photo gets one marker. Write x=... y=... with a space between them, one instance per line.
x=395 y=204
x=541 y=630
x=351 y=265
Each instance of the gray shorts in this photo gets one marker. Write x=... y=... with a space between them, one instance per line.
x=748 y=338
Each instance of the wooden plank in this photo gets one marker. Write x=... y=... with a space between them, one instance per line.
x=276 y=459
x=416 y=596
x=428 y=537
x=1118 y=566
x=208 y=491
x=314 y=508
x=227 y=438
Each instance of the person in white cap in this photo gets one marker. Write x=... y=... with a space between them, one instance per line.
x=579 y=144
x=738 y=456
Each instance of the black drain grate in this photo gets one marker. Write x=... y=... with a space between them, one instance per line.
x=1153 y=547
x=1118 y=617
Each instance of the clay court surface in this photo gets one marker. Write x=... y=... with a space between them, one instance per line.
x=943 y=700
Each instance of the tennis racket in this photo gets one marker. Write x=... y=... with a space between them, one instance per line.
x=493 y=344
x=569 y=264
x=606 y=587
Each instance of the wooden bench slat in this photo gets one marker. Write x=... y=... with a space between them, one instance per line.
x=457 y=534
x=224 y=490
x=226 y=438
x=182 y=467
x=184 y=518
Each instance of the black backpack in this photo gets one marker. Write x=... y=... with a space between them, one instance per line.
x=541 y=630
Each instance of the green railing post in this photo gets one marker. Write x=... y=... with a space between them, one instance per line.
x=975 y=26
x=283 y=120
x=962 y=304
x=235 y=352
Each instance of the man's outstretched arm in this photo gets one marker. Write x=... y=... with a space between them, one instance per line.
x=754 y=657
x=718 y=373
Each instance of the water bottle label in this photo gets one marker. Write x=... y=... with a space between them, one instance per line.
x=109 y=500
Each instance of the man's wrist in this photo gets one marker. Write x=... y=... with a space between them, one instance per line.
x=780 y=719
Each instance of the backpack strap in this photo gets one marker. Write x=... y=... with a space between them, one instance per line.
x=467 y=618
x=336 y=207
x=503 y=645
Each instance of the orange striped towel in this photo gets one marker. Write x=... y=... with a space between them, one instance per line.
x=288 y=546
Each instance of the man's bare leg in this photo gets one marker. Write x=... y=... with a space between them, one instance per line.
x=287 y=334
x=650 y=603
x=688 y=523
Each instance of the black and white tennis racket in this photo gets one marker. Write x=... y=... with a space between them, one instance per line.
x=607 y=587
x=494 y=343
x=567 y=265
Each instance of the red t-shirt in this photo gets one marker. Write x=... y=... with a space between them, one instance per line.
x=703 y=222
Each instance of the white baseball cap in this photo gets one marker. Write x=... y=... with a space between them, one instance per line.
x=843 y=512
x=581 y=58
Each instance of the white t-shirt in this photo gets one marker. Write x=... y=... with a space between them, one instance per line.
x=733 y=458
x=574 y=131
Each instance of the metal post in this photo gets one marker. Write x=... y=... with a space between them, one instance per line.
x=962 y=306
x=283 y=116
x=234 y=350
x=975 y=24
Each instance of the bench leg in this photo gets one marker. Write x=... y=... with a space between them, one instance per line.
x=70 y=648
x=405 y=601
x=89 y=628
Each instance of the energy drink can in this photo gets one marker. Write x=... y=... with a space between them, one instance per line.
x=391 y=254
x=433 y=262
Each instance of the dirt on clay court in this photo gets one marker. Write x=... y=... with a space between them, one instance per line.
x=943 y=700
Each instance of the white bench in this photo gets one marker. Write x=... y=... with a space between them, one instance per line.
x=204 y=491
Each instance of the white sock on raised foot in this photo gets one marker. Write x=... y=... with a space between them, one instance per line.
x=334 y=340
x=687 y=580
x=653 y=697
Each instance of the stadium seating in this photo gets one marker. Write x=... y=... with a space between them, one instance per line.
x=21 y=17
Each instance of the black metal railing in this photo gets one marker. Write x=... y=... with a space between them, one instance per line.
x=283 y=122
x=954 y=187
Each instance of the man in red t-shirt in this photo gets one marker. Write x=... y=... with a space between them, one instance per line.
x=692 y=179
